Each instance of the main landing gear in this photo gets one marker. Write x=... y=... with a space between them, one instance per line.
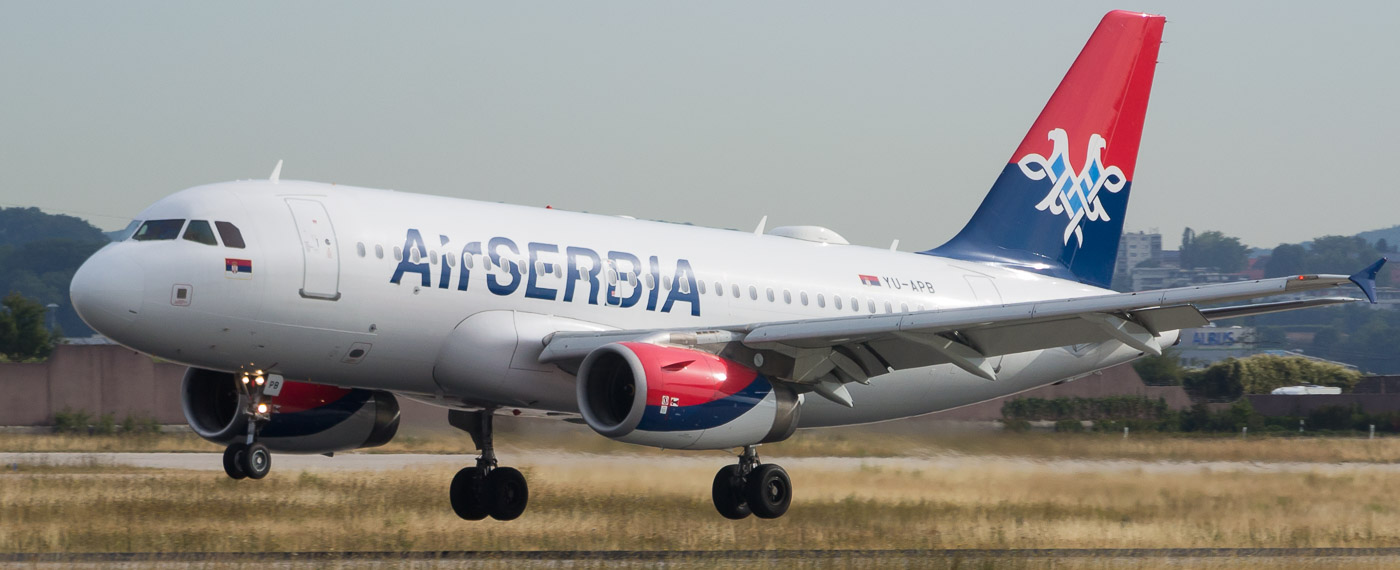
x=750 y=487
x=486 y=489
x=248 y=458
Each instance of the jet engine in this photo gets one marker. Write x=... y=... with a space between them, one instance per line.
x=679 y=398
x=306 y=418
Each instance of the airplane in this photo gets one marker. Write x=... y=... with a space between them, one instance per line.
x=305 y=310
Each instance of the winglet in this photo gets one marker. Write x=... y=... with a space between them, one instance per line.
x=1366 y=279
x=276 y=173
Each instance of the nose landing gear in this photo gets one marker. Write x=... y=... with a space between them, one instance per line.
x=751 y=487
x=249 y=458
x=486 y=489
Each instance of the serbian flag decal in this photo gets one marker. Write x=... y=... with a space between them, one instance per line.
x=870 y=280
x=238 y=268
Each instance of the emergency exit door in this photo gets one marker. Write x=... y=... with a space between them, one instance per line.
x=320 y=253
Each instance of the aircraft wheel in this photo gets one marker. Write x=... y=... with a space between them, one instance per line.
x=769 y=491
x=728 y=493
x=508 y=493
x=256 y=461
x=467 y=494
x=233 y=460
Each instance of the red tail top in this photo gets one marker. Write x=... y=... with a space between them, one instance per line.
x=1104 y=93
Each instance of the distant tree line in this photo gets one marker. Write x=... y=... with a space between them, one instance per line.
x=39 y=254
x=1233 y=377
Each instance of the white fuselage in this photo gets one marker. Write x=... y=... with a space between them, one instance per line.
x=320 y=288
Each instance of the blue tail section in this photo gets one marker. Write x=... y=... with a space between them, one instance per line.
x=1058 y=206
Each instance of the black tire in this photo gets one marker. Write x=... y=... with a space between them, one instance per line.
x=256 y=461
x=233 y=461
x=769 y=491
x=468 y=493
x=729 y=495
x=507 y=492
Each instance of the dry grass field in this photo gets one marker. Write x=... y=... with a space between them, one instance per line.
x=627 y=501
x=598 y=504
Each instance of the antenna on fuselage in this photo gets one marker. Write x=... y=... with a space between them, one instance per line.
x=758 y=231
x=276 y=173
x=894 y=246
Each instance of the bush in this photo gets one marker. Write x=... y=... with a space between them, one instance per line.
x=1094 y=409
x=1163 y=370
x=1069 y=426
x=1018 y=426
x=106 y=425
x=140 y=425
x=70 y=421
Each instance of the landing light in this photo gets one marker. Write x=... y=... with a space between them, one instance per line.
x=244 y=378
x=259 y=380
x=262 y=408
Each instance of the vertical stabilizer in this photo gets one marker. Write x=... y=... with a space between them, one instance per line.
x=1058 y=206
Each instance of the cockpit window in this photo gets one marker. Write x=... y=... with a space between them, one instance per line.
x=158 y=230
x=199 y=231
x=230 y=234
x=125 y=234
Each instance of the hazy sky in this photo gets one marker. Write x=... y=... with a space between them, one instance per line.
x=1273 y=121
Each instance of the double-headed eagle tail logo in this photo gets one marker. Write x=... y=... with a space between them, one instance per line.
x=1075 y=195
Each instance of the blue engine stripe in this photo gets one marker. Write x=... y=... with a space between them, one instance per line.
x=707 y=415
x=318 y=419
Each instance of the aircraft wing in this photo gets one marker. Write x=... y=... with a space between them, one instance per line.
x=830 y=352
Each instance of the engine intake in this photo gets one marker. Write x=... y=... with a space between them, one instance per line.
x=307 y=418
x=679 y=398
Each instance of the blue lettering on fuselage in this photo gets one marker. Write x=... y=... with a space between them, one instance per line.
x=585 y=273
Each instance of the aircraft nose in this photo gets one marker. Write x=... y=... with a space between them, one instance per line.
x=107 y=291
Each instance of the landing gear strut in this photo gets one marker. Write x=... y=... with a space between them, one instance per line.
x=751 y=487
x=248 y=458
x=486 y=489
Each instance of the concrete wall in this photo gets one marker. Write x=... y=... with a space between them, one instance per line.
x=105 y=379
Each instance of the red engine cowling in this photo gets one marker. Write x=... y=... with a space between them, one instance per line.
x=678 y=398
x=307 y=418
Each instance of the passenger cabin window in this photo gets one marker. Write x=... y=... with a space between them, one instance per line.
x=230 y=234
x=200 y=232
x=360 y=249
x=378 y=251
x=154 y=230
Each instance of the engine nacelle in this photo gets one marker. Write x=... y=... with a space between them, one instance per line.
x=678 y=398
x=306 y=418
